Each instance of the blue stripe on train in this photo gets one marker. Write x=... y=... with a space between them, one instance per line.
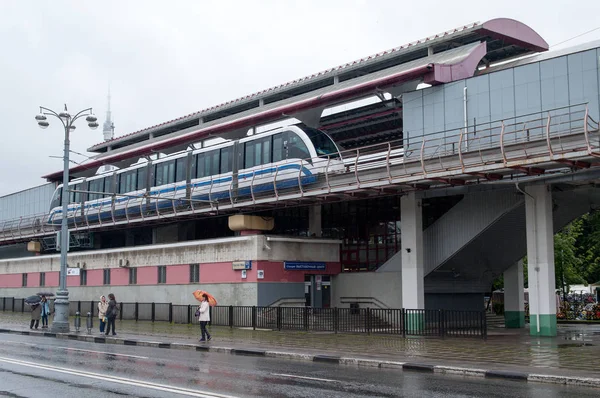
x=306 y=171
x=163 y=204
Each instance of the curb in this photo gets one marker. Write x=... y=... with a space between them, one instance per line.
x=336 y=360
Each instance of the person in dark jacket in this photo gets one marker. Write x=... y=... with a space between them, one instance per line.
x=36 y=312
x=111 y=314
x=45 y=309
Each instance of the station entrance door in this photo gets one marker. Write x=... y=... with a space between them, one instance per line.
x=317 y=291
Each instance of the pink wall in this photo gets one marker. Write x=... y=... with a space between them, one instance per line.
x=73 y=280
x=51 y=279
x=95 y=277
x=119 y=276
x=33 y=279
x=224 y=273
x=147 y=276
x=178 y=274
x=11 y=280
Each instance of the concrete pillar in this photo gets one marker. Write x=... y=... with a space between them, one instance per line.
x=514 y=300
x=540 y=260
x=413 y=296
x=314 y=221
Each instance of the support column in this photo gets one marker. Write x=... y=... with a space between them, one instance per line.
x=314 y=221
x=413 y=295
x=514 y=301
x=540 y=260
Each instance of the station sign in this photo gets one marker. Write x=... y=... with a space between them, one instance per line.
x=304 y=266
x=72 y=271
x=242 y=265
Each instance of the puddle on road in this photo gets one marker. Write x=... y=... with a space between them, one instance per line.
x=571 y=345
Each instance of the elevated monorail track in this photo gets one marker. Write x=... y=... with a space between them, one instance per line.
x=560 y=140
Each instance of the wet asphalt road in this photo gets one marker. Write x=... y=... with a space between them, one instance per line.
x=45 y=367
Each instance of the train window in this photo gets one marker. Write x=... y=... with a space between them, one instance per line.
x=226 y=159
x=249 y=154
x=207 y=164
x=164 y=173
x=96 y=186
x=75 y=197
x=141 y=177
x=108 y=184
x=323 y=144
x=128 y=181
x=180 y=167
x=296 y=147
x=200 y=165
x=258 y=152
x=56 y=199
x=194 y=167
x=266 y=150
x=211 y=163
x=278 y=149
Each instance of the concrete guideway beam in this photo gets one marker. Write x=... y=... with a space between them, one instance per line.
x=514 y=298
x=540 y=257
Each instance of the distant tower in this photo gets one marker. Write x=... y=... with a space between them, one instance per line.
x=108 y=129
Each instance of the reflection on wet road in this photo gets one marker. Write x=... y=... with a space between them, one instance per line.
x=44 y=367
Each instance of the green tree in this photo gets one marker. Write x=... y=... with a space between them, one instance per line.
x=588 y=247
x=567 y=262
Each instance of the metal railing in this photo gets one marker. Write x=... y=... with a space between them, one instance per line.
x=560 y=136
x=404 y=322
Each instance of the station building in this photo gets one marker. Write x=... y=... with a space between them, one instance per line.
x=443 y=141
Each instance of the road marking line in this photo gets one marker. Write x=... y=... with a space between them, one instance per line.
x=305 y=377
x=115 y=379
x=103 y=352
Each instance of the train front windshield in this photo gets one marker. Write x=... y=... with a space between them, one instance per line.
x=56 y=199
x=324 y=145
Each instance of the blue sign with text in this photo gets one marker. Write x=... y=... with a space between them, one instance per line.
x=303 y=266
x=242 y=265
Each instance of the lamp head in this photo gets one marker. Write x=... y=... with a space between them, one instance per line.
x=64 y=116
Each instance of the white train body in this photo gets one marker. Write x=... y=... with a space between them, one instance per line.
x=256 y=165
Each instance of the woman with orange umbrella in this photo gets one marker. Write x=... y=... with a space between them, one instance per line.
x=204 y=317
x=211 y=300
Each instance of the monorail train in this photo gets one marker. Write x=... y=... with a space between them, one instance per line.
x=278 y=159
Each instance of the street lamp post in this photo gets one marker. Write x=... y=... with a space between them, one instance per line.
x=61 y=304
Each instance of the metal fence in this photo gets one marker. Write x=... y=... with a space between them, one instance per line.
x=405 y=322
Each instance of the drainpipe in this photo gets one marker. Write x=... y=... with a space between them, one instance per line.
x=465 y=123
x=537 y=268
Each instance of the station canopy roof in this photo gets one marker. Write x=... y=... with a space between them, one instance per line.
x=442 y=58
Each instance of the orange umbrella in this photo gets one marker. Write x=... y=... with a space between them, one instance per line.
x=211 y=300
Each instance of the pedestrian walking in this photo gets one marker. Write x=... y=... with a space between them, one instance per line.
x=102 y=308
x=36 y=312
x=204 y=318
x=111 y=314
x=45 y=310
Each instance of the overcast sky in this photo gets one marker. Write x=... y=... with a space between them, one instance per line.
x=164 y=59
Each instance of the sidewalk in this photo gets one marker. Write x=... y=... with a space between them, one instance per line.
x=570 y=358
